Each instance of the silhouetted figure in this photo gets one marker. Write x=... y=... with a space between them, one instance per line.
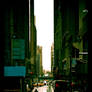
x=36 y=90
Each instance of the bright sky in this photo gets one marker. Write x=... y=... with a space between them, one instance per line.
x=43 y=10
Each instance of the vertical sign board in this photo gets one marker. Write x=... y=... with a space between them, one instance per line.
x=18 y=49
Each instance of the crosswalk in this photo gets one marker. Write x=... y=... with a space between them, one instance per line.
x=43 y=89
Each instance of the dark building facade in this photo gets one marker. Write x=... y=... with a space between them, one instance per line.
x=15 y=50
x=65 y=30
x=16 y=36
x=71 y=40
x=39 y=67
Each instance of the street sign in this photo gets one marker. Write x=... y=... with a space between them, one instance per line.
x=83 y=53
x=16 y=71
x=18 y=49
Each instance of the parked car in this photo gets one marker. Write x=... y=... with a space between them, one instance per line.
x=61 y=85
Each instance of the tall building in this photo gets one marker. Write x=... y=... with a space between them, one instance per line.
x=65 y=30
x=16 y=35
x=32 y=44
x=17 y=49
x=71 y=39
x=39 y=66
x=52 y=57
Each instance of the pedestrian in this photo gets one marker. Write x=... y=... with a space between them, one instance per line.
x=36 y=90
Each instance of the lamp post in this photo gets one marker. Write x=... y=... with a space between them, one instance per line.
x=70 y=73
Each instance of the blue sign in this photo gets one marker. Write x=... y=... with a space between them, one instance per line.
x=17 y=71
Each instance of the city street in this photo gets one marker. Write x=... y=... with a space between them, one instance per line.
x=44 y=46
x=43 y=89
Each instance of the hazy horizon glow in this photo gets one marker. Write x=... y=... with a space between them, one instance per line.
x=43 y=10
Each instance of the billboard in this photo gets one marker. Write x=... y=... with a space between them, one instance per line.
x=14 y=71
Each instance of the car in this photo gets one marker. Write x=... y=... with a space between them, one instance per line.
x=41 y=84
x=45 y=82
x=38 y=84
x=61 y=85
x=35 y=84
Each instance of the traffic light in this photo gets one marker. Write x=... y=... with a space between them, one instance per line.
x=31 y=73
x=57 y=85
